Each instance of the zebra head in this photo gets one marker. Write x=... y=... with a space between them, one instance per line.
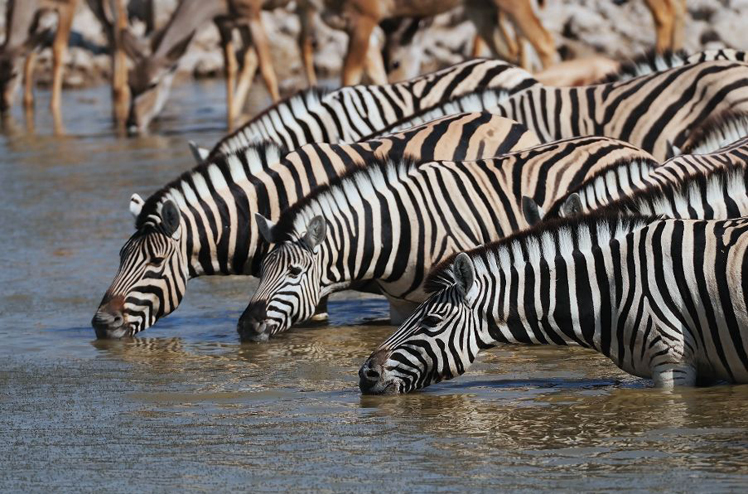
x=290 y=285
x=152 y=275
x=439 y=341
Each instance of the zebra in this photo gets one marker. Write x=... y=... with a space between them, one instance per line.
x=353 y=112
x=717 y=194
x=202 y=223
x=655 y=112
x=615 y=183
x=662 y=298
x=389 y=222
x=652 y=61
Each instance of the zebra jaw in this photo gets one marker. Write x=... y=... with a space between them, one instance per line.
x=373 y=378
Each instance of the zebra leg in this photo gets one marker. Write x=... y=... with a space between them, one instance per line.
x=320 y=313
x=670 y=375
x=400 y=310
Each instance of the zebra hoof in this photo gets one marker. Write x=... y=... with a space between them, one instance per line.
x=320 y=317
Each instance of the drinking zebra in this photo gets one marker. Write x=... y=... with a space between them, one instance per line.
x=390 y=222
x=662 y=298
x=655 y=112
x=653 y=61
x=613 y=184
x=351 y=113
x=202 y=223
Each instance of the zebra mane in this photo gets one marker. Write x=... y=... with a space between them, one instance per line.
x=375 y=175
x=581 y=234
x=708 y=184
x=727 y=54
x=716 y=132
x=306 y=98
x=219 y=171
x=477 y=101
x=600 y=178
x=646 y=63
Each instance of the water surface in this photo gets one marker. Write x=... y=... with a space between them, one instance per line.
x=186 y=407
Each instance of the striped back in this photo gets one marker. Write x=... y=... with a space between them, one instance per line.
x=349 y=114
x=620 y=182
x=654 y=112
x=652 y=62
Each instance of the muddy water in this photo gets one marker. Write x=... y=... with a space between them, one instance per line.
x=186 y=407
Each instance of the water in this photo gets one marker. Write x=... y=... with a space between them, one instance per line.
x=186 y=407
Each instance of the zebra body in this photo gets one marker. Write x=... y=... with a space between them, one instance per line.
x=389 y=223
x=662 y=298
x=351 y=113
x=653 y=62
x=211 y=210
x=653 y=112
x=611 y=187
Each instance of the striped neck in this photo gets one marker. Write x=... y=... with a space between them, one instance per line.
x=561 y=286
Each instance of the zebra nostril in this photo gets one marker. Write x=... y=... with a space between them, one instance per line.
x=371 y=374
x=118 y=320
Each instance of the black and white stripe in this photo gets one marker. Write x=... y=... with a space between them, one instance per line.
x=656 y=112
x=391 y=221
x=213 y=208
x=662 y=298
x=616 y=183
x=652 y=62
x=351 y=113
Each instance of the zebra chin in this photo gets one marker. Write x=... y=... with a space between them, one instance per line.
x=110 y=326
x=374 y=379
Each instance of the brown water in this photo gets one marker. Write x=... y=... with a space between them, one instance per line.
x=186 y=407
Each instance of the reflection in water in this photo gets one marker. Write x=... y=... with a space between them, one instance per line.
x=187 y=407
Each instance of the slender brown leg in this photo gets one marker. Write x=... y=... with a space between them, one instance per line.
x=229 y=57
x=662 y=14
x=478 y=46
x=28 y=80
x=358 y=46
x=247 y=74
x=306 y=17
x=374 y=64
x=59 y=49
x=510 y=46
x=120 y=89
x=679 y=24
x=527 y=23
x=262 y=46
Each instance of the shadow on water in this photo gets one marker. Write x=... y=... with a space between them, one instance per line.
x=189 y=408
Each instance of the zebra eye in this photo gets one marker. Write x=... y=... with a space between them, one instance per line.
x=294 y=271
x=156 y=260
x=431 y=321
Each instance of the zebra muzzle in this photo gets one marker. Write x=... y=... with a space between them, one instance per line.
x=109 y=324
x=371 y=376
x=253 y=325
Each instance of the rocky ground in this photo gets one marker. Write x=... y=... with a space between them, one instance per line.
x=580 y=27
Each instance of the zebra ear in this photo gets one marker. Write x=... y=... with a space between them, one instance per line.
x=265 y=227
x=572 y=206
x=464 y=273
x=315 y=232
x=170 y=218
x=532 y=212
x=136 y=205
x=200 y=154
x=672 y=150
